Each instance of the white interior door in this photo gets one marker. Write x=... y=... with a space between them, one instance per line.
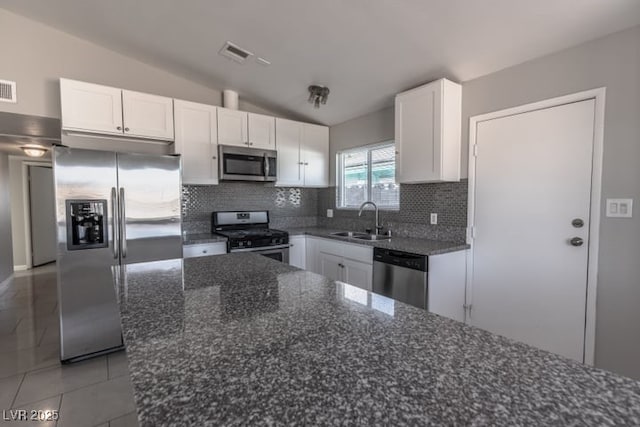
x=532 y=179
x=43 y=217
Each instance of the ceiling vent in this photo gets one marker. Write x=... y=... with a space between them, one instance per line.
x=235 y=52
x=8 y=91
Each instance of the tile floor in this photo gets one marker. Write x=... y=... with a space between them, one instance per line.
x=95 y=392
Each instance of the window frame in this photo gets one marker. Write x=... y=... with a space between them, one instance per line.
x=340 y=175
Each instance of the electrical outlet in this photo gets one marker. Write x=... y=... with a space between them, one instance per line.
x=329 y=213
x=434 y=218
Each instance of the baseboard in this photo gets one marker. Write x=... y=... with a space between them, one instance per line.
x=20 y=267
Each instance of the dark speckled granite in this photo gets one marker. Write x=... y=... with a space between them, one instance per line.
x=240 y=339
x=198 y=238
x=407 y=244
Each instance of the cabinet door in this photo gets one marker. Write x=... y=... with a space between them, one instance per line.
x=417 y=125
x=197 y=142
x=89 y=107
x=297 y=251
x=315 y=154
x=447 y=283
x=358 y=274
x=232 y=127
x=262 y=131
x=330 y=266
x=147 y=116
x=288 y=138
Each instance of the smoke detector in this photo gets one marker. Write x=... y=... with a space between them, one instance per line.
x=234 y=52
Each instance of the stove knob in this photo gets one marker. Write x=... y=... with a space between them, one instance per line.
x=248 y=243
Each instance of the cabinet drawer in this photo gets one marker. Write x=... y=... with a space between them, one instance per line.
x=204 y=249
x=352 y=251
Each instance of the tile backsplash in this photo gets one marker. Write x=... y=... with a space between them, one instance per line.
x=417 y=202
x=288 y=207
x=307 y=207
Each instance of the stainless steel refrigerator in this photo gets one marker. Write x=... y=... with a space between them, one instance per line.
x=111 y=209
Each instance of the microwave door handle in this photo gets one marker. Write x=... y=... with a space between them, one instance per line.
x=266 y=166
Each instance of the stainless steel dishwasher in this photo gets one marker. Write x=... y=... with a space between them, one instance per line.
x=402 y=276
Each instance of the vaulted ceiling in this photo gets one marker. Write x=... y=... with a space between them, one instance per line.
x=365 y=51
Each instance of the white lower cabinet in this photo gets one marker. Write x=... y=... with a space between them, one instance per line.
x=204 y=249
x=353 y=264
x=298 y=251
x=346 y=262
x=357 y=273
x=447 y=284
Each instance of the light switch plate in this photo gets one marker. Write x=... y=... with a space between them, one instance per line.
x=620 y=208
x=434 y=219
x=329 y=213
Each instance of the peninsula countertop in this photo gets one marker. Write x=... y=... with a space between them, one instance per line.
x=241 y=339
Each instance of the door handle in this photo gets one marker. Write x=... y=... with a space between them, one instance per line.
x=123 y=224
x=576 y=241
x=114 y=216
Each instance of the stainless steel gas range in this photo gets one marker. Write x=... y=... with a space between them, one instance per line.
x=248 y=231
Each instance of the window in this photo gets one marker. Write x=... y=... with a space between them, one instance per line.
x=368 y=173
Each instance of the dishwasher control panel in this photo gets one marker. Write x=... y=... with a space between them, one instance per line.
x=401 y=259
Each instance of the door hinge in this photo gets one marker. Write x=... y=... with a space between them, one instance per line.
x=475 y=150
x=473 y=232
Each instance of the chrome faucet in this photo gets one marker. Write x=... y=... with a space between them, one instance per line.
x=378 y=226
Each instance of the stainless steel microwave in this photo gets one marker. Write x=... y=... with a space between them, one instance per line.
x=247 y=164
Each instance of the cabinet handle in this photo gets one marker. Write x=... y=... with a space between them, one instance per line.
x=301 y=163
x=126 y=129
x=397 y=152
x=119 y=128
x=341 y=265
x=214 y=157
x=306 y=163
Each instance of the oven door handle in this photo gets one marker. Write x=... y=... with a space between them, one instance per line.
x=261 y=249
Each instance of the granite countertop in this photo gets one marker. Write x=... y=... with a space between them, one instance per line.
x=407 y=244
x=209 y=343
x=412 y=245
x=198 y=238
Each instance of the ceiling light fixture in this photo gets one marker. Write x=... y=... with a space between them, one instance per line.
x=34 y=150
x=318 y=95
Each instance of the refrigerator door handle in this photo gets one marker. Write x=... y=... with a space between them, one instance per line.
x=114 y=219
x=123 y=224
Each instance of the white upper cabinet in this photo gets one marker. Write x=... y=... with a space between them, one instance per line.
x=290 y=165
x=88 y=107
x=196 y=141
x=427 y=133
x=232 y=127
x=262 y=131
x=315 y=155
x=246 y=129
x=147 y=116
x=303 y=154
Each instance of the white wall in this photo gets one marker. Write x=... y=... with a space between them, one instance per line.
x=614 y=62
x=365 y=130
x=36 y=56
x=6 y=256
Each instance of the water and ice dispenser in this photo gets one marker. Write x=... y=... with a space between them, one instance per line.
x=87 y=224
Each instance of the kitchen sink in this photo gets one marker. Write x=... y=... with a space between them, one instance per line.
x=360 y=235
x=372 y=237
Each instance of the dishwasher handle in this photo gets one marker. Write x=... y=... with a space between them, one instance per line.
x=401 y=259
